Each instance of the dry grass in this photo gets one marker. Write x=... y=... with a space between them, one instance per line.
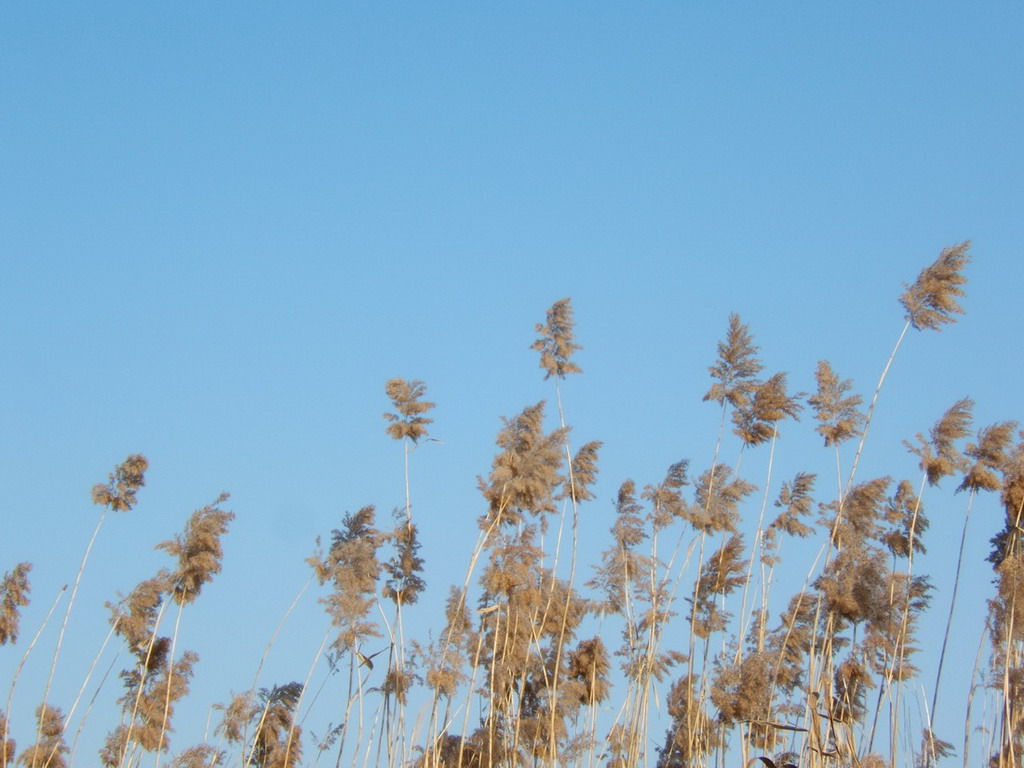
x=676 y=648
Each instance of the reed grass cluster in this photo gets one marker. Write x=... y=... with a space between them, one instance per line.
x=674 y=646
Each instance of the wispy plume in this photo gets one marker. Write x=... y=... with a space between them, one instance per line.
x=757 y=421
x=404 y=583
x=198 y=550
x=50 y=748
x=525 y=475
x=988 y=456
x=352 y=566
x=737 y=367
x=120 y=491
x=939 y=455
x=932 y=299
x=837 y=413
x=583 y=474
x=718 y=495
x=14 y=591
x=408 y=420
x=557 y=341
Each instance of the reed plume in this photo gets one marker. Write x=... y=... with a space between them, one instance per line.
x=151 y=690
x=693 y=734
x=404 y=584
x=14 y=590
x=932 y=299
x=718 y=495
x=929 y=302
x=277 y=743
x=198 y=550
x=737 y=366
x=199 y=756
x=199 y=555
x=836 y=411
x=122 y=487
x=408 y=421
x=622 y=564
x=583 y=471
x=589 y=665
x=557 y=341
x=938 y=453
x=50 y=748
x=445 y=670
x=135 y=617
x=989 y=456
x=524 y=477
x=757 y=420
x=796 y=502
x=238 y=712
x=351 y=565
x=723 y=573
x=906 y=517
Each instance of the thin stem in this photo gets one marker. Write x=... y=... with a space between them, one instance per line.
x=305 y=685
x=31 y=645
x=92 y=668
x=970 y=694
x=67 y=616
x=277 y=630
x=144 y=667
x=952 y=605
x=754 y=548
x=874 y=402
x=88 y=709
x=170 y=680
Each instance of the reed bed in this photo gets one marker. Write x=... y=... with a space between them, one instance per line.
x=729 y=619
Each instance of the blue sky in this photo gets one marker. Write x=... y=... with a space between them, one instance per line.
x=224 y=227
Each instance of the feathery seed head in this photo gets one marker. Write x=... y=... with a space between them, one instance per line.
x=757 y=420
x=583 y=474
x=14 y=591
x=838 y=417
x=404 y=583
x=717 y=497
x=737 y=366
x=932 y=299
x=719 y=577
x=199 y=550
x=50 y=749
x=939 y=456
x=525 y=475
x=134 y=617
x=408 y=421
x=666 y=498
x=795 y=501
x=629 y=527
x=237 y=714
x=905 y=513
x=200 y=756
x=277 y=743
x=989 y=455
x=589 y=664
x=556 y=344
x=353 y=567
x=1012 y=494
x=123 y=485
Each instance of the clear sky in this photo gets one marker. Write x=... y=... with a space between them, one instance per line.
x=224 y=226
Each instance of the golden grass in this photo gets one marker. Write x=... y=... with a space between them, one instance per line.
x=527 y=667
